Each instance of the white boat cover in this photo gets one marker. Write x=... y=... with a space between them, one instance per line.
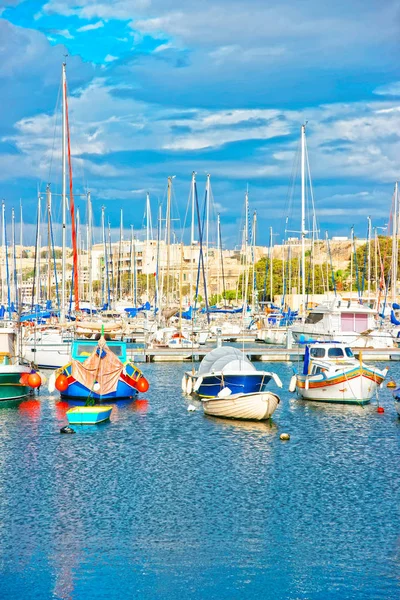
x=224 y=359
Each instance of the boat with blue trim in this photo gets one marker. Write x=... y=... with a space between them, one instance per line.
x=226 y=367
x=99 y=370
x=331 y=373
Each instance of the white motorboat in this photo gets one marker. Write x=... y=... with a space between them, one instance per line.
x=49 y=349
x=348 y=322
x=331 y=373
x=258 y=406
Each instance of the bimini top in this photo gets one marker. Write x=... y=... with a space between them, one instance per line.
x=223 y=359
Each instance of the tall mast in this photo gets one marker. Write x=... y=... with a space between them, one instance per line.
x=394 y=243
x=369 y=258
x=168 y=235
x=64 y=193
x=218 y=253
x=148 y=219
x=38 y=252
x=89 y=249
x=192 y=239
x=303 y=216
x=15 y=275
x=270 y=265
x=207 y=220
x=253 y=258
x=48 y=203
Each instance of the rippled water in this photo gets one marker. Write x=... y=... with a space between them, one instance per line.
x=166 y=503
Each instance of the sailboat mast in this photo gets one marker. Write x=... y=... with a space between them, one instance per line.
x=394 y=243
x=303 y=216
x=207 y=221
x=270 y=265
x=168 y=236
x=192 y=240
x=64 y=192
x=369 y=257
x=48 y=202
x=89 y=249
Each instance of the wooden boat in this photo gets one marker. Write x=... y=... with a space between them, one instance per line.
x=99 y=370
x=254 y=407
x=331 y=373
x=88 y=415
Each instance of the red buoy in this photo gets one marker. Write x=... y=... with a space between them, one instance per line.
x=61 y=383
x=24 y=379
x=380 y=409
x=34 y=380
x=142 y=384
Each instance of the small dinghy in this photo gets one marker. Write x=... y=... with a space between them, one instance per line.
x=258 y=406
x=88 y=415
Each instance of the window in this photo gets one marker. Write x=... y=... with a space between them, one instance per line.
x=317 y=352
x=349 y=352
x=314 y=317
x=335 y=353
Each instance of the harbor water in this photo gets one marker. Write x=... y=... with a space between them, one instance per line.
x=163 y=502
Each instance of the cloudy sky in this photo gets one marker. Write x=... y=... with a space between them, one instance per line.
x=161 y=87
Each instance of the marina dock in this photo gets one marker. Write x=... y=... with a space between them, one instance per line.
x=259 y=353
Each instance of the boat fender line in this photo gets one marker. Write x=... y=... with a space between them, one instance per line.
x=292 y=384
x=67 y=429
x=184 y=383
x=189 y=386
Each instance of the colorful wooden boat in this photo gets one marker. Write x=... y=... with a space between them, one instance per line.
x=331 y=373
x=88 y=415
x=99 y=370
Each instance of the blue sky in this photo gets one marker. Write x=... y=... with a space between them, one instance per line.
x=160 y=87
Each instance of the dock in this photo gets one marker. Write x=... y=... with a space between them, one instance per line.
x=259 y=353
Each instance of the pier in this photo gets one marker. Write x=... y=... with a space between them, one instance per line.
x=259 y=353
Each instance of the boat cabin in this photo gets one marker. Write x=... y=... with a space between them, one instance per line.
x=320 y=357
x=82 y=349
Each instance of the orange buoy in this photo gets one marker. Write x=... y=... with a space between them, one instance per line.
x=142 y=384
x=61 y=383
x=380 y=409
x=391 y=384
x=24 y=379
x=34 y=380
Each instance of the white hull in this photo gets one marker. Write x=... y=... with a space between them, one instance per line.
x=359 y=390
x=254 y=407
x=378 y=339
x=47 y=356
x=276 y=336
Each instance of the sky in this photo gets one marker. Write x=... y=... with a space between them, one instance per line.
x=162 y=88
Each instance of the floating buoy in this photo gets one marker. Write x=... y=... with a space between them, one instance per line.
x=61 y=383
x=292 y=384
x=67 y=429
x=52 y=382
x=96 y=386
x=24 y=379
x=391 y=384
x=142 y=385
x=34 y=380
x=191 y=408
x=380 y=409
x=284 y=437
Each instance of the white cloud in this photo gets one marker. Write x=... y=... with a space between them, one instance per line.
x=391 y=89
x=110 y=58
x=91 y=26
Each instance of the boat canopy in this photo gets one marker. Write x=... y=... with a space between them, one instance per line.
x=225 y=358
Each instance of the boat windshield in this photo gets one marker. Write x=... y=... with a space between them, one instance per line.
x=335 y=353
x=314 y=317
x=317 y=352
x=349 y=352
x=85 y=350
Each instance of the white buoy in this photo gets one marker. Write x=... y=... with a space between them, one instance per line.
x=189 y=386
x=52 y=382
x=225 y=393
x=292 y=384
x=191 y=408
x=96 y=387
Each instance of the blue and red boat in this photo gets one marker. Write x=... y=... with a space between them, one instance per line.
x=99 y=371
